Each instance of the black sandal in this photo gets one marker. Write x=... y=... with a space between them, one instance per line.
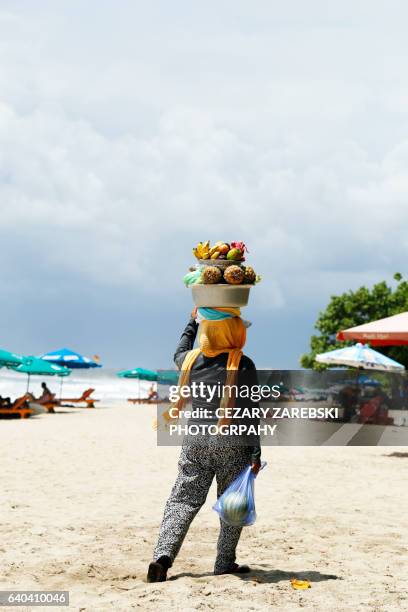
x=157 y=571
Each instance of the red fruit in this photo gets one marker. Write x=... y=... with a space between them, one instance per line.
x=239 y=245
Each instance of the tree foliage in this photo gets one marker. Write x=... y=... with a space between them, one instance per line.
x=355 y=308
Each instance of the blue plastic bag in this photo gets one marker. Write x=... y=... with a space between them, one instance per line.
x=236 y=506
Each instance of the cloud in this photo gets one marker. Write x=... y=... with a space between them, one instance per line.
x=123 y=146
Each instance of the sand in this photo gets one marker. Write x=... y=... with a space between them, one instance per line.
x=82 y=498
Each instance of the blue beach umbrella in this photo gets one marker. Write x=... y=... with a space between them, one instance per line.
x=70 y=359
x=364 y=380
x=360 y=356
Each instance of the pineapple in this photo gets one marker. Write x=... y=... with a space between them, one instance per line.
x=250 y=275
x=234 y=275
x=211 y=275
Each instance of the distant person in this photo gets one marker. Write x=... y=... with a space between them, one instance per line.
x=152 y=393
x=375 y=409
x=46 y=395
x=348 y=398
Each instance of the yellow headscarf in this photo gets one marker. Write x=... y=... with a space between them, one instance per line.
x=216 y=337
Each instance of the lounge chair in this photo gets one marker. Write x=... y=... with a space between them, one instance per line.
x=85 y=399
x=18 y=408
x=41 y=405
x=148 y=400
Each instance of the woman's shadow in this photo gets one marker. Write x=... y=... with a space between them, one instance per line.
x=262 y=575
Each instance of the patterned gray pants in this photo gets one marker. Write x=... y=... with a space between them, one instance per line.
x=198 y=464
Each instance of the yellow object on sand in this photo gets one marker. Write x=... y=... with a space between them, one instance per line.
x=300 y=584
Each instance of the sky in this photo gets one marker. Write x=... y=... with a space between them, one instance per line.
x=130 y=130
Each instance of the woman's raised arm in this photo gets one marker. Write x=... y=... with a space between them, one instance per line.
x=186 y=342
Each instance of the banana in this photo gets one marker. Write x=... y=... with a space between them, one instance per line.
x=205 y=250
x=200 y=250
x=300 y=584
x=215 y=255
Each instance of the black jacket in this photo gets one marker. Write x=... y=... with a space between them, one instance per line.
x=212 y=370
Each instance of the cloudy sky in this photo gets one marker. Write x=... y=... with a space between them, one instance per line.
x=130 y=130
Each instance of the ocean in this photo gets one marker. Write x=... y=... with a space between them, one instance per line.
x=108 y=387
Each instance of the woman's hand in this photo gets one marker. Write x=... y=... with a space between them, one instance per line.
x=194 y=313
x=255 y=467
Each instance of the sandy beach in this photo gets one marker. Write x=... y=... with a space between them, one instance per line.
x=83 y=494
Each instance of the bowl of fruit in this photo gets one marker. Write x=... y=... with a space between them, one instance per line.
x=221 y=277
x=221 y=254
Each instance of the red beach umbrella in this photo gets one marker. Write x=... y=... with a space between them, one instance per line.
x=390 y=331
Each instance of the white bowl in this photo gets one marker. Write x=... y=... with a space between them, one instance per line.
x=214 y=296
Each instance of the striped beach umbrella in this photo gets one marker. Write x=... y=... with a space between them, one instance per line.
x=360 y=356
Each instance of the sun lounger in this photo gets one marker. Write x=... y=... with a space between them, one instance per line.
x=146 y=400
x=41 y=405
x=84 y=399
x=19 y=409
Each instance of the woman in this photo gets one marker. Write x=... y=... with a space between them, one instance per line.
x=222 y=336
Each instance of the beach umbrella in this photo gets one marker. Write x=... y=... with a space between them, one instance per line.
x=363 y=380
x=390 y=331
x=368 y=382
x=38 y=367
x=9 y=359
x=169 y=377
x=139 y=374
x=70 y=359
x=360 y=356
